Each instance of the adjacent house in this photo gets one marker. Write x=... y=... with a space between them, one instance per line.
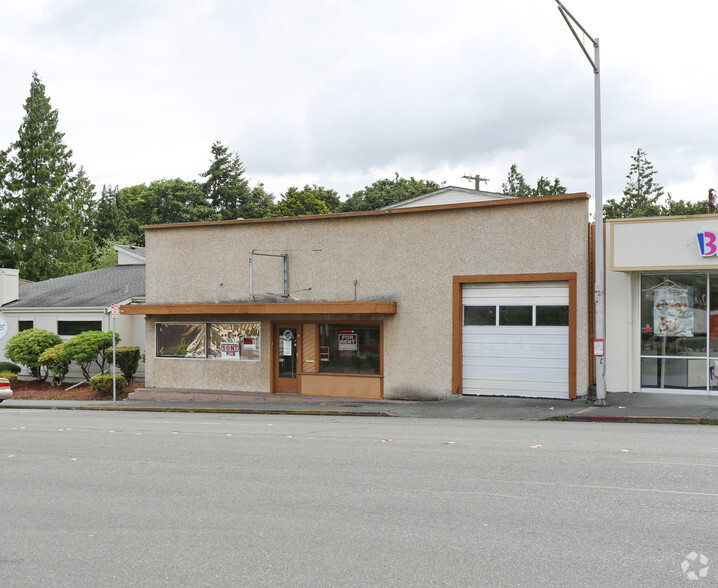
x=486 y=296
x=80 y=302
x=449 y=195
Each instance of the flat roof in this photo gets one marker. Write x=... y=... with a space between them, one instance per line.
x=371 y=213
x=263 y=308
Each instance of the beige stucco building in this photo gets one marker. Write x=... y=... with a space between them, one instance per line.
x=481 y=297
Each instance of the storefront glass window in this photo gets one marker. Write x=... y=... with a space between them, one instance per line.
x=674 y=327
x=230 y=341
x=673 y=314
x=181 y=339
x=673 y=372
x=350 y=349
x=234 y=341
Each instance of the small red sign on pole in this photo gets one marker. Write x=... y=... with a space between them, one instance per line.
x=598 y=347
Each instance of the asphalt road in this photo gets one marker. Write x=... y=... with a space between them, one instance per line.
x=138 y=499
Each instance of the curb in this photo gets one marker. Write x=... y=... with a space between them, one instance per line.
x=585 y=418
x=273 y=411
x=289 y=411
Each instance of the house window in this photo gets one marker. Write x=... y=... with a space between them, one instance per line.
x=25 y=325
x=350 y=349
x=72 y=328
x=227 y=341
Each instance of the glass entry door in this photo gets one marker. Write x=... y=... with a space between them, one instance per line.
x=286 y=360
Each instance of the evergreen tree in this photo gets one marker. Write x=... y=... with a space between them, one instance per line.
x=44 y=204
x=110 y=222
x=641 y=194
x=516 y=185
x=225 y=186
x=261 y=202
x=227 y=190
x=387 y=191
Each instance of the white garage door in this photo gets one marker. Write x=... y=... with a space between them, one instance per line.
x=515 y=339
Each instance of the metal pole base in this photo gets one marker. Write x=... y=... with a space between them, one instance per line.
x=600 y=402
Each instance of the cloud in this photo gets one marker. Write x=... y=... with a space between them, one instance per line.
x=340 y=94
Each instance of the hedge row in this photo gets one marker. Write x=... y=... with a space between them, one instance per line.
x=44 y=354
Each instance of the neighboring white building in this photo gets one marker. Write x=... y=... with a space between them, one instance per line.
x=76 y=303
x=662 y=305
x=449 y=195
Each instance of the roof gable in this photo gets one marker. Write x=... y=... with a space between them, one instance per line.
x=449 y=195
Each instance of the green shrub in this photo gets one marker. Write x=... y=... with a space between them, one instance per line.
x=127 y=358
x=103 y=384
x=6 y=366
x=88 y=347
x=26 y=346
x=9 y=375
x=54 y=360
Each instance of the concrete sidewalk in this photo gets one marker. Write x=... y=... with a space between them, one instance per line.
x=638 y=407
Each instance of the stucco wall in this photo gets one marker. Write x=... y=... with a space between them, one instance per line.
x=409 y=258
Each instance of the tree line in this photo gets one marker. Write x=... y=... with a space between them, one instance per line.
x=52 y=222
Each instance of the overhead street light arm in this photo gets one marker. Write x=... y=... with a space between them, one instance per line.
x=566 y=15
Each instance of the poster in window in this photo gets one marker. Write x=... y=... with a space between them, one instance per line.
x=673 y=314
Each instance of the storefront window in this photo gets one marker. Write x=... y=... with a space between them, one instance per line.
x=674 y=321
x=673 y=314
x=229 y=341
x=181 y=339
x=673 y=372
x=234 y=341
x=350 y=349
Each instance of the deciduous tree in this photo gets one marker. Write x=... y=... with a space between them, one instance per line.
x=296 y=202
x=387 y=191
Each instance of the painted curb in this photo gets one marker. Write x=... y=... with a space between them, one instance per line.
x=586 y=418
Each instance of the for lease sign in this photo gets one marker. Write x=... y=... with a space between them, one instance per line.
x=347 y=341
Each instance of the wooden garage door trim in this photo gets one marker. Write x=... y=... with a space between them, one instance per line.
x=456 y=351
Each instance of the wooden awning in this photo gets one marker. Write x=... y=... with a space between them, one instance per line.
x=263 y=308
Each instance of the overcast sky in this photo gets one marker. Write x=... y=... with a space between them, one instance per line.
x=341 y=93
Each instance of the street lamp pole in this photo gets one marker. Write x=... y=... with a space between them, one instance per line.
x=599 y=288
